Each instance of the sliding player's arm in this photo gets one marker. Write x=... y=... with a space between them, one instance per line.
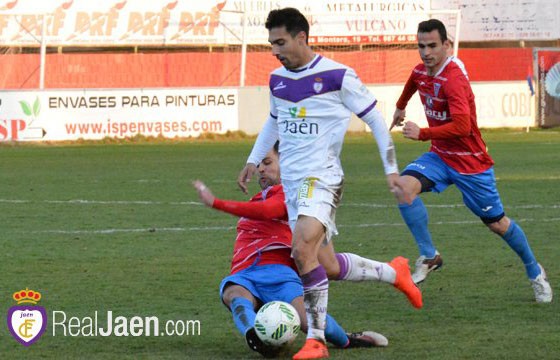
x=272 y=207
x=268 y=209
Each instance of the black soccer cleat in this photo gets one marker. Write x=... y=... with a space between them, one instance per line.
x=257 y=345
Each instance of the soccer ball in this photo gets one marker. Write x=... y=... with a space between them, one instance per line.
x=277 y=323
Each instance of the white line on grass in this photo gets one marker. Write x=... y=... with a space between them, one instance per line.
x=147 y=230
x=100 y=202
x=227 y=228
x=195 y=203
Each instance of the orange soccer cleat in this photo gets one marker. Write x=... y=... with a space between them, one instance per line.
x=404 y=282
x=313 y=349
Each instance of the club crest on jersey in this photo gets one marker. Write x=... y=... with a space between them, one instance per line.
x=437 y=86
x=429 y=101
x=318 y=85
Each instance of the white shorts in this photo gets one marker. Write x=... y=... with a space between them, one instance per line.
x=317 y=197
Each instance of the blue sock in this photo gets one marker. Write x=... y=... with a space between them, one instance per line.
x=416 y=218
x=516 y=239
x=243 y=314
x=334 y=333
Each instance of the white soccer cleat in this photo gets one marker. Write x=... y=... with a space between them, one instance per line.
x=541 y=286
x=425 y=266
x=366 y=339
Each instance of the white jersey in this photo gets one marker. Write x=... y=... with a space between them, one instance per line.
x=312 y=107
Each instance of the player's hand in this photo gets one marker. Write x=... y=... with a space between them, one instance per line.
x=245 y=176
x=398 y=118
x=204 y=193
x=411 y=130
x=392 y=181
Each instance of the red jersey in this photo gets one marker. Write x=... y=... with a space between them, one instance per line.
x=262 y=230
x=448 y=101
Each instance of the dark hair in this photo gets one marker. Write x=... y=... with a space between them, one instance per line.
x=431 y=25
x=291 y=18
x=276 y=146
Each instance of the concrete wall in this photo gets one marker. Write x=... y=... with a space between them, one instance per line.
x=254 y=107
x=499 y=104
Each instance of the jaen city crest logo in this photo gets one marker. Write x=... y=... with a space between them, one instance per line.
x=27 y=322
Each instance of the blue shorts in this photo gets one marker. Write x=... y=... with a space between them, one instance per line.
x=480 y=193
x=267 y=282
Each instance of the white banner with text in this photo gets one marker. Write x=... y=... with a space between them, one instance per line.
x=97 y=114
x=500 y=104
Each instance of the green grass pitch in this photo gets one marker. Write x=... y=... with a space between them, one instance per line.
x=101 y=227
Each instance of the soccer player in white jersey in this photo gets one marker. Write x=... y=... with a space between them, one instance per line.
x=311 y=102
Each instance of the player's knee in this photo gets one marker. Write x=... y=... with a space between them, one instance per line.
x=227 y=297
x=410 y=184
x=303 y=248
x=301 y=254
x=498 y=225
x=305 y=258
x=231 y=292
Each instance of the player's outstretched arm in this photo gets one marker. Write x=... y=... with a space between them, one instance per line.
x=204 y=193
x=271 y=208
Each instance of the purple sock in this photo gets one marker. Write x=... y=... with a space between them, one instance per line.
x=315 y=298
x=343 y=262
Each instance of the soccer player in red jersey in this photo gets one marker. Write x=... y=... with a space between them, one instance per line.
x=262 y=269
x=457 y=156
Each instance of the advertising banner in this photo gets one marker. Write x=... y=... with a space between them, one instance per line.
x=213 y=22
x=97 y=114
x=547 y=70
x=499 y=104
x=498 y=20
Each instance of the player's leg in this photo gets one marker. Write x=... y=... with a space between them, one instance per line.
x=306 y=240
x=352 y=267
x=242 y=305
x=414 y=212
x=240 y=295
x=427 y=173
x=335 y=334
x=282 y=283
x=481 y=196
x=312 y=204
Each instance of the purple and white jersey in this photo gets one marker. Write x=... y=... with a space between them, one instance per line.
x=312 y=107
